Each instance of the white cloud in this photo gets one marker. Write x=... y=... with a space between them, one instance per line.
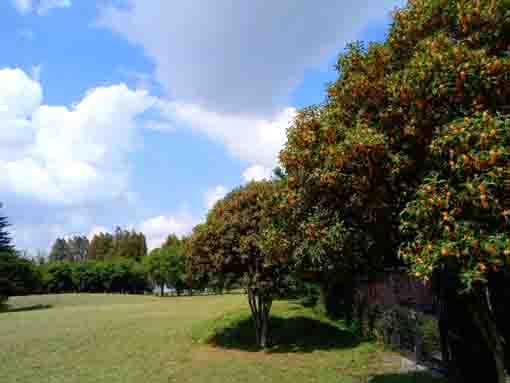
x=250 y=139
x=244 y=56
x=213 y=195
x=97 y=230
x=157 y=229
x=20 y=96
x=257 y=173
x=45 y=5
x=66 y=155
x=23 y=6
x=41 y=7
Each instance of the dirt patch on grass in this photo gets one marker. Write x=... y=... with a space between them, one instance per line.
x=205 y=353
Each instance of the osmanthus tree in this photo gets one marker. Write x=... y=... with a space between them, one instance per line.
x=406 y=118
x=460 y=220
x=232 y=242
x=338 y=205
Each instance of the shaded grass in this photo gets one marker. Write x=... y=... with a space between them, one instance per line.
x=418 y=377
x=7 y=308
x=294 y=334
x=114 y=338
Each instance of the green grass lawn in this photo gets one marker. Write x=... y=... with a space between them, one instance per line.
x=115 y=338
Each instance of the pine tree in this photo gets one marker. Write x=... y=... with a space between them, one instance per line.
x=7 y=258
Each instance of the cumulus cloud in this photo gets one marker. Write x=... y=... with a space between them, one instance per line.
x=156 y=229
x=97 y=230
x=257 y=173
x=213 y=195
x=240 y=57
x=41 y=7
x=255 y=140
x=66 y=155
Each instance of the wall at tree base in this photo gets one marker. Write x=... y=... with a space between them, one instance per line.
x=395 y=288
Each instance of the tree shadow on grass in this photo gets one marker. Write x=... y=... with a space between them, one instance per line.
x=8 y=309
x=410 y=377
x=296 y=334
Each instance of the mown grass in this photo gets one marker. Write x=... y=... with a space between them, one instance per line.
x=114 y=338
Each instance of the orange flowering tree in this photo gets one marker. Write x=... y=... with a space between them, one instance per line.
x=410 y=150
x=233 y=242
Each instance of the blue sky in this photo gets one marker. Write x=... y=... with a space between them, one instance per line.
x=142 y=113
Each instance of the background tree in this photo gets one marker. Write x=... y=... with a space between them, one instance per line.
x=157 y=268
x=7 y=257
x=231 y=242
x=5 y=238
x=176 y=268
x=78 y=248
x=166 y=265
x=100 y=247
x=60 y=251
x=128 y=245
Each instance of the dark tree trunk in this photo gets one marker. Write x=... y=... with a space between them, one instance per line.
x=162 y=289
x=260 y=306
x=472 y=343
x=485 y=320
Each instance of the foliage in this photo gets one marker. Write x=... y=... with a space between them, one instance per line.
x=233 y=242
x=128 y=245
x=414 y=133
x=121 y=245
x=460 y=211
x=100 y=247
x=166 y=265
x=92 y=276
x=405 y=329
x=17 y=275
x=74 y=249
x=5 y=238
x=60 y=251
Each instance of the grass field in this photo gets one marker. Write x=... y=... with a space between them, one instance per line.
x=116 y=338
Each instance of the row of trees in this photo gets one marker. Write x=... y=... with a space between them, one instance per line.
x=121 y=245
x=115 y=263
x=93 y=277
x=406 y=162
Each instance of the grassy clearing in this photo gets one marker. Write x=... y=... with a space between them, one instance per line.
x=115 y=338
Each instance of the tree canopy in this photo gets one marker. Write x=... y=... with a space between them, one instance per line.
x=166 y=265
x=231 y=242
x=409 y=152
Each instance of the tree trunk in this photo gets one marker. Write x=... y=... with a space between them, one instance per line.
x=162 y=289
x=260 y=306
x=485 y=321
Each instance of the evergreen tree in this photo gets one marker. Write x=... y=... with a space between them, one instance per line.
x=60 y=251
x=5 y=238
x=78 y=248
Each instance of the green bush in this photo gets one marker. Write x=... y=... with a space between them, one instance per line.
x=405 y=329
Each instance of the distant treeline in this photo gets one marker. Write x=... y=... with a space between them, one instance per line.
x=94 y=277
x=121 y=245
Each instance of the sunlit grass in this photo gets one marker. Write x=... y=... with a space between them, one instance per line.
x=114 y=338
